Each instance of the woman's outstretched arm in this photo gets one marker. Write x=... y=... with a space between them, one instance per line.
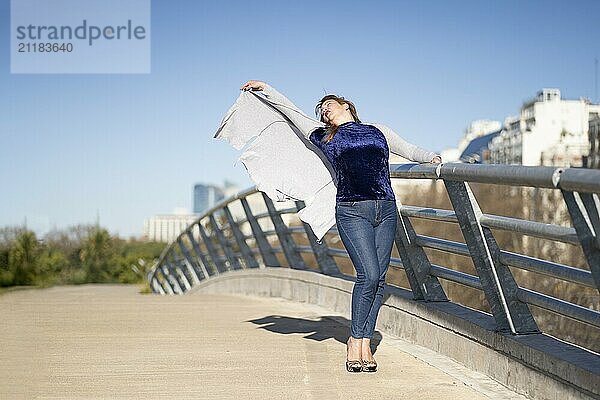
x=399 y=146
x=270 y=92
x=305 y=123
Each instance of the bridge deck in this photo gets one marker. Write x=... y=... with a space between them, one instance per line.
x=109 y=341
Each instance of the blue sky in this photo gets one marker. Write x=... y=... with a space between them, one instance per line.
x=125 y=147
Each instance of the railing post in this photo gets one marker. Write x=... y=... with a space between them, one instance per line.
x=586 y=222
x=325 y=261
x=182 y=278
x=285 y=238
x=212 y=252
x=194 y=269
x=168 y=285
x=173 y=282
x=416 y=263
x=204 y=264
x=269 y=258
x=249 y=259
x=157 y=286
x=233 y=262
x=497 y=281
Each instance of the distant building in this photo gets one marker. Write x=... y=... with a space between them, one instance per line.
x=477 y=151
x=229 y=189
x=206 y=196
x=548 y=131
x=593 y=159
x=475 y=130
x=166 y=227
x=506 y=148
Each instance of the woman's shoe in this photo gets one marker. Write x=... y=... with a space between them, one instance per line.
x=369 y=366
x=354 y=365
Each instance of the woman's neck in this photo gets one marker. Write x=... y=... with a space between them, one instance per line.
x=342 y=121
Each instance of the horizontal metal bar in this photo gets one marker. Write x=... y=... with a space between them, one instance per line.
x=456 y=276
x=532 y=228
x=396 y=262
x=500 y=174
x=241 y=221
x=291 y=210
x=428 y=213
x=443 y=245
x=555 y=270
x=266 y=214
x=270 y=232
x=337 y=252
x=415 y=171
x=580 y=180
x=262 y=215
x=304 y=249
x=558 y=306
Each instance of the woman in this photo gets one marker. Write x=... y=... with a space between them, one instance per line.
x=366 y=215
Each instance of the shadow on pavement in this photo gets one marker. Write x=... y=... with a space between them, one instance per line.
x=328 y=326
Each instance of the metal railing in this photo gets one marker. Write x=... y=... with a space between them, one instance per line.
x=207 y=248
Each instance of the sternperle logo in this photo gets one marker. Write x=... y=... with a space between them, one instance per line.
x=85 y=31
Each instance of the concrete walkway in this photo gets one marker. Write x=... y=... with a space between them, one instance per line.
x=110 y=342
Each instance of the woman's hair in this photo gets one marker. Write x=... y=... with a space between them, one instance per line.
x=332 y=129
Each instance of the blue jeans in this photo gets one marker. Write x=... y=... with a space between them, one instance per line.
x=367 y=229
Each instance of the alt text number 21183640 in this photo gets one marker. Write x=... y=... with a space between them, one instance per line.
x=45 y=47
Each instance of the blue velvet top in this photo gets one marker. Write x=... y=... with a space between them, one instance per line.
x=359 y=155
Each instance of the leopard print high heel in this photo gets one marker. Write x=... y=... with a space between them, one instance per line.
x=369 y=366
x=353 y=365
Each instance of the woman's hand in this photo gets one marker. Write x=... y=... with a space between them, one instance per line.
x=253 y=85
x=436 y=160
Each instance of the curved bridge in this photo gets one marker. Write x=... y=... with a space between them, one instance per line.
x=501 y=338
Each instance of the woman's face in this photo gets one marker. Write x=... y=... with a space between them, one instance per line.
x=331 y=110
